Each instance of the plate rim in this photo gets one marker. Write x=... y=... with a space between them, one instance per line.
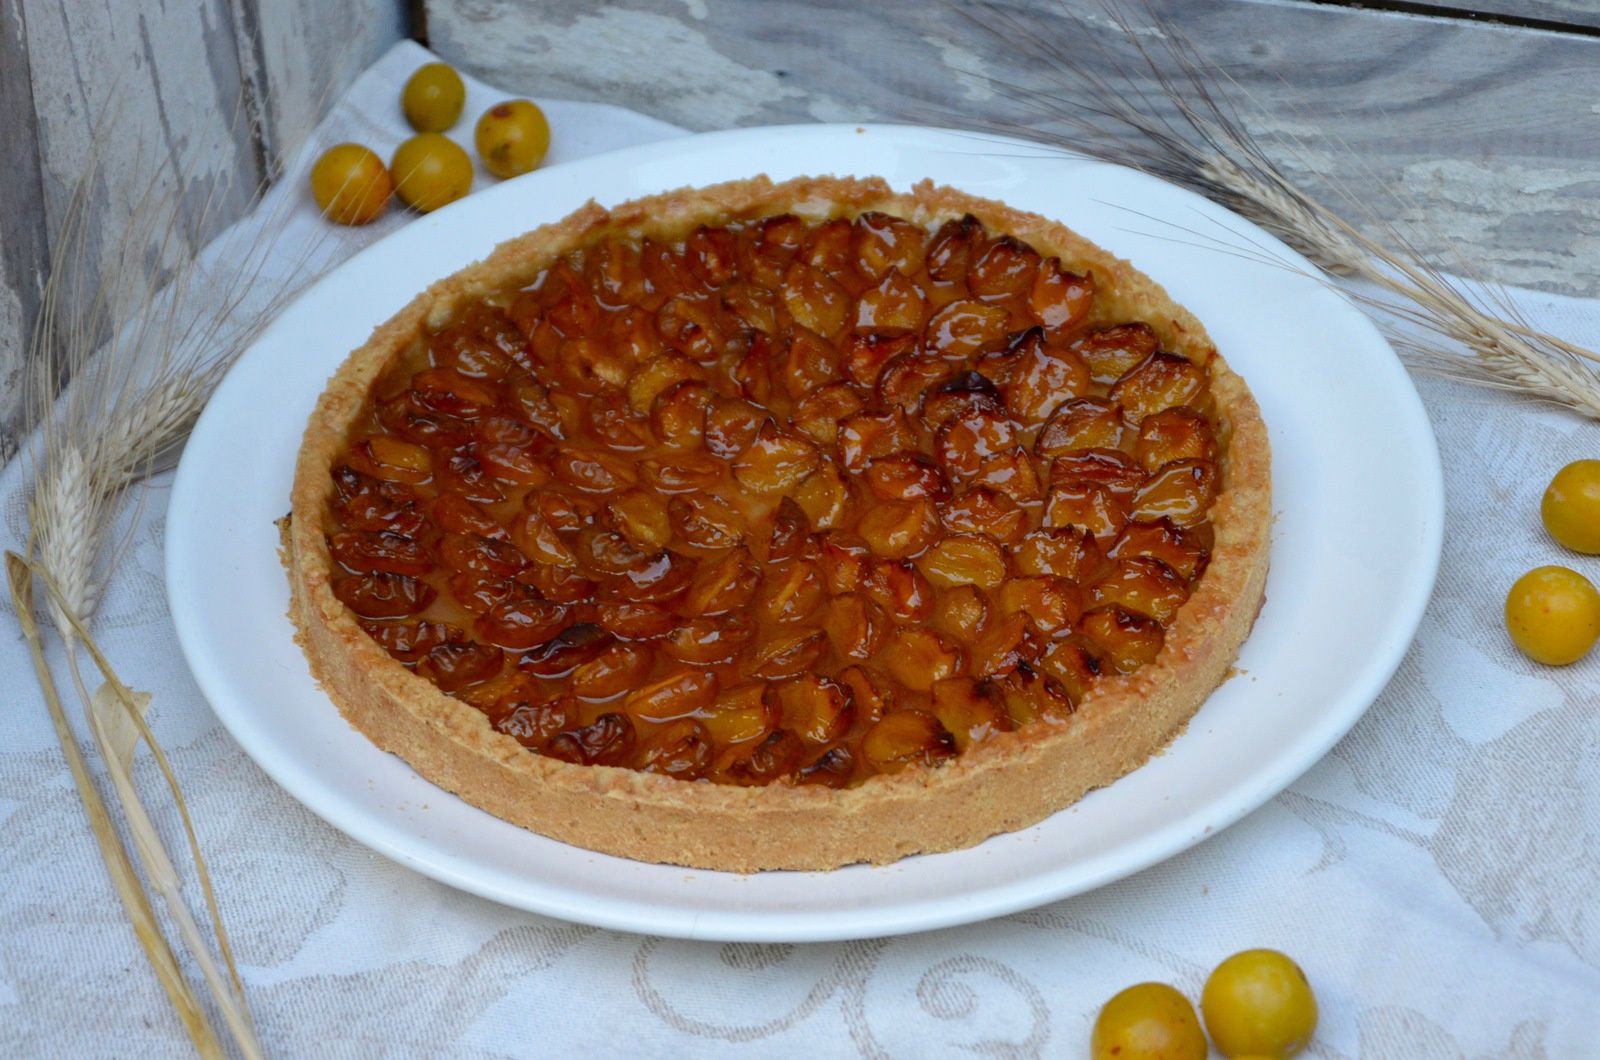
x=1176 y=834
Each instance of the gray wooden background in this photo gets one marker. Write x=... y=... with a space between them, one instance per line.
x=225 y=86
x=1479 y=128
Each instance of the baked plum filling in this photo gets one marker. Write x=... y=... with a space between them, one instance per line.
x=784 y=501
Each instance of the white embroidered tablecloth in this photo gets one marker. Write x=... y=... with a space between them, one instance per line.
x=1437 y=875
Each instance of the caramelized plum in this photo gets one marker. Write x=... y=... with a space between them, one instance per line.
x=1065 y=553
x=722 y=585
x=710 y=640
x=751 y=764
x=818 y=414
x=456 y=664
x=1074 y=663
x=1003 y=647
x=365 y=552
x=1042 y=378
x=1006 y=268
x=1082 y=423
x=867 y=436
x=966 y=440
x=906 y=476
x=678 y=414
x=454 y=514
x=787 y=654
x=985 y=511
x=1174 y=434
x=533 y=724
x=854 y=626
x=657 y=377
x=1051 y=605
x=1112 y=352
x=815 y=299
x=816 y=709
x=960 y=393
x=1179 y=549
x=635 y=620
x=1143 y=585
x=1161 y=381
x=611 y=671
x=1030 y=696
x=1060 y=300
x=741 y=714
x=901 y=529
x=790 y=592
x=383 y=596
x=883 y=243
x=964 y=559
x=1111 y=468
x=866 y=355
x=833 y=768
x=410 y=641
x=566 y=651
x=871 y=694
x=703 y=521
x=960 y=614
x=787 y=532
x=968 y=711
x=674 y=695
x=916 y=658
x=1093 y=508
x=1128 y=639
x=520 y=624
x=1181 y=492
x=392 y=460
x=893 y=307
x=900 y=589
x=680 y=749
x=962 y=329
x=952 y=248
x=906 y=380
x=606 y=742
x=641 y=517
x=907 y=738
x=825 y=497
x=775 y=461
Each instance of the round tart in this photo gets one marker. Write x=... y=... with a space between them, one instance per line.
x=781 y=525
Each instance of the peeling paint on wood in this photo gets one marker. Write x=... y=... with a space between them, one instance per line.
x=215 y=88
x=1478 y=135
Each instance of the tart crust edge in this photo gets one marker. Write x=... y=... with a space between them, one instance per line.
x=1008 y=782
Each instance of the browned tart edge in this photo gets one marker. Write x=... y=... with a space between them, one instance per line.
x=1009 y=781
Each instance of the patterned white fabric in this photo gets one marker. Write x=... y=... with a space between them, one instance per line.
x=1438 y=874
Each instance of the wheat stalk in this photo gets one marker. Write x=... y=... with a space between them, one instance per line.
x=123 y=878
x=141 y=336
x=1188 y=130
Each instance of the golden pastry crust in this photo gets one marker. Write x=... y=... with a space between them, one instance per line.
x=1005 y=783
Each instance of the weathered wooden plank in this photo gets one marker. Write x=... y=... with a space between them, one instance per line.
x=1483 y=135
x=22 y=230
x=171 y=74
x=304 y=53
x=1583 y=14
x=216 y=87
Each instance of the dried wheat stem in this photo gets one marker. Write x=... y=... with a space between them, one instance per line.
x=163 y=876
x=157 y=864
x=123 y=878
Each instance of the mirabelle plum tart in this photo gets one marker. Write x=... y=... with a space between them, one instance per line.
x=780 y=526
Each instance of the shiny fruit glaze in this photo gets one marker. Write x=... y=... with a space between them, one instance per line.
x=782 y=501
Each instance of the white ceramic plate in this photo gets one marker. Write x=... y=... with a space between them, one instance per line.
x=1357 y=495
